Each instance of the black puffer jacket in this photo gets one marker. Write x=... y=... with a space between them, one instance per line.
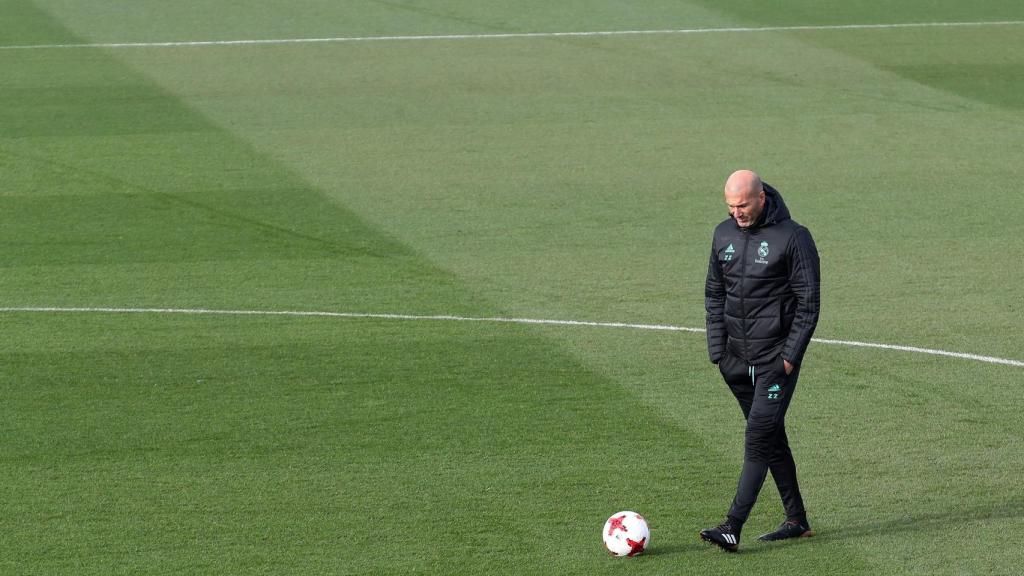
x=763 y=287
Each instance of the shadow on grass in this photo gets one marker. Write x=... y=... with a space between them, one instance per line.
x=903 y=525
x=699 y=547
x=674 y=548
x=1013 y=508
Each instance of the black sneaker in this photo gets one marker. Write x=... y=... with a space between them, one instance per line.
x=788 y=529
x=722 y=536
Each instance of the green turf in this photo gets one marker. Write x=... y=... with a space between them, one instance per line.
x=549 y=178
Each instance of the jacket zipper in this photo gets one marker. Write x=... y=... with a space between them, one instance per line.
x=743 y=299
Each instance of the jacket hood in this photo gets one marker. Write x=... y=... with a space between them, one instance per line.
x=775 y=210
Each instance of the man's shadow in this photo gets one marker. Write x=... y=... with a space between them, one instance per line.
x=909 y=523
x=1013 y=508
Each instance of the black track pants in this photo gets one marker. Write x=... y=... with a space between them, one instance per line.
x=764 y=393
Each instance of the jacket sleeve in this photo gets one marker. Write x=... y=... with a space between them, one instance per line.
x=714 y=303
x=805 y=281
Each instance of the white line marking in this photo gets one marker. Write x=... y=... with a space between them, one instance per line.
x=445 y=317
x=496 y=36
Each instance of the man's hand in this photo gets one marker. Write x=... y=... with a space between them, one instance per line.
x=787 y=366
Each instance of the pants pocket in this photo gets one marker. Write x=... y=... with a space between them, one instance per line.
x=780 y=363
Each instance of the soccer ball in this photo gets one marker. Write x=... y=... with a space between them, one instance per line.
x=626 y=534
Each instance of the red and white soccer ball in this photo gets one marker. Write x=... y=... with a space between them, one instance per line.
x=626 y=534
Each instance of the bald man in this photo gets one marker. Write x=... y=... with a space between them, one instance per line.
x=762 y=300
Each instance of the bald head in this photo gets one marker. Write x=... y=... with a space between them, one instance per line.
x=744 y=182
x=744 y=195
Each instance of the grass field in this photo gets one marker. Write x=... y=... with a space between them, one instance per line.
x=574 y=178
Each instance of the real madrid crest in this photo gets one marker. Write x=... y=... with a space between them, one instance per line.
x=762 y=252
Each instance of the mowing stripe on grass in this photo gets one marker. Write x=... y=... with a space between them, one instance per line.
x=445 y=317
x=734 y=30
